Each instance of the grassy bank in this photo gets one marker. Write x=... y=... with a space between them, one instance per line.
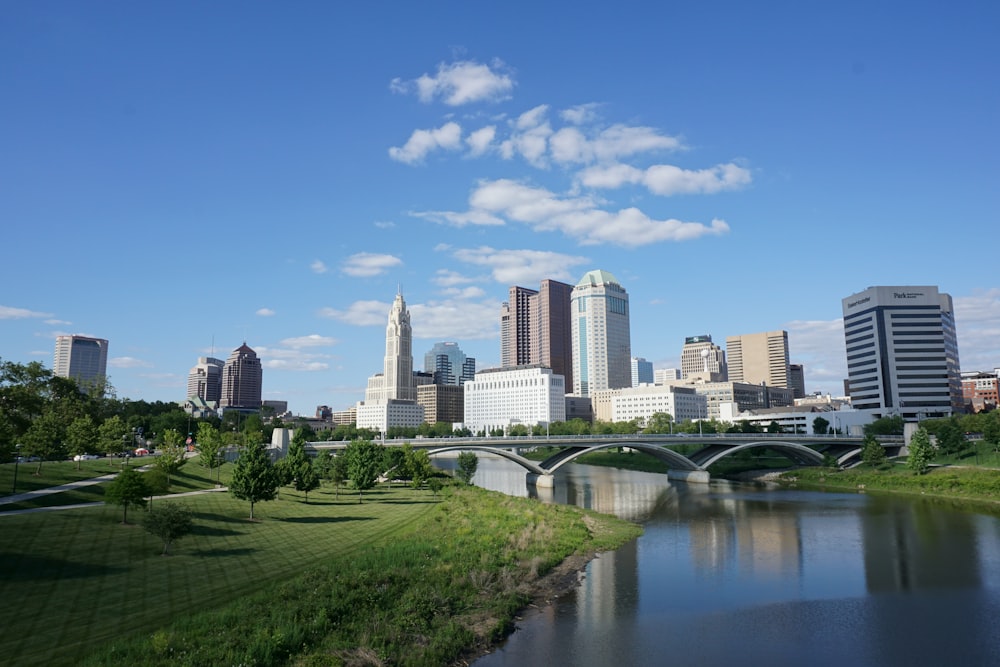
x=406 y=577
x=976 y=484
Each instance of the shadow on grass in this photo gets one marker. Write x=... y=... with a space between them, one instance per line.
x=412 y=501
x=198 y=529
x=222 y=518
x=326 y=519
x=223 y=553
x=40 y=568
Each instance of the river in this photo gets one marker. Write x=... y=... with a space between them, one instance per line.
x=734 y=574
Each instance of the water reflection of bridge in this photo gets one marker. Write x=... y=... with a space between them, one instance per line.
x=688 y=457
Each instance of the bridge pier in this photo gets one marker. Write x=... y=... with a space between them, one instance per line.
x=542 y=481
x=690 y=476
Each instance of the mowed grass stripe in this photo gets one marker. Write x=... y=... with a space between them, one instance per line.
x=75 y=579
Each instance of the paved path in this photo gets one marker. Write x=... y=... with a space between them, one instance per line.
x=31 y=495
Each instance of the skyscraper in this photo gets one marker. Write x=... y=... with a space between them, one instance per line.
x=758 y=358
x=205 y=379
x=449 y=365
x=242 y=380
x=902 y=352
x=535 y=328
x=701 y=357
x=81 y=358
x=602 y=347
x=642 y=371
x=391 y=397
x=797 y=380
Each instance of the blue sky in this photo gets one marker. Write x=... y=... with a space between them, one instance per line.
x=178 y=174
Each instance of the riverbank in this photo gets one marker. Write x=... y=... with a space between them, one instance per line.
x=441 y=592
x=948 y=482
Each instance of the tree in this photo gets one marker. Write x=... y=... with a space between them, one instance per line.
x=950 y=438
x=82 y=437
x=885 y=426
x=921 y=453
x=660 y=422
x=254 y=476
x=110 y=434
x=44 y=439
x=169 y=522
x=872 y=452
x=172 y=454
x=418 y=464
x=364 y=459
x=468 y=462
x=394 y=462
x=338 y=473
x=128 y=488
x=210 y=448
x=821 y=426
x=297 y=467
x=434 y=484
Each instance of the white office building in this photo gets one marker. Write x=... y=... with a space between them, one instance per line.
x=504 y=397
x=641 y=403
x=601 y=340
x=902 y=352
x=82 y=358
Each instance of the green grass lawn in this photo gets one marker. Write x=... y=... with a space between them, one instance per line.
x=74 y=580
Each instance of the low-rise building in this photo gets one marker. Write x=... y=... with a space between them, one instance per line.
x=502 y=397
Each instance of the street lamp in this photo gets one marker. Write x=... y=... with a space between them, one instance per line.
x=17 y=457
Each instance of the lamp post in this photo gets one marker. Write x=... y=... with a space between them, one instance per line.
x=17 y=458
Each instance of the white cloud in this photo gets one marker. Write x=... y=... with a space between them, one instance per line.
x=385 y=224
x=450 y=279
x=977 y=319
x=666 y=179
x=264 y=312
x=128 y=362
x=57 y=323
x=360 y=313
x=459 y=219
x=9 y=313
x=312 y=340
x=318 y=267
x=460 y=82
x=579 y=217
x=422 y=142
x=523 y=267
x=456 y=319
x=479 y=141
x=819 y=346
x=580 y=114
x=366 y=264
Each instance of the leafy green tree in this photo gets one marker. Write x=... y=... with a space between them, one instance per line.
x=774 y=427
x=297 y=467
x=468 y=463
x=418 y=464
x=951 y=438
x=338 y=473
x=156 y=482
x=885 y=426
x=169 y=522
x=434 y=484
x=821 y=426
x=254 y=477
x=110 y=434
x=660 y=422
x=364 y=460
x=921 y=452
x=44 y=439
x=394 y=463
x=991 y=428
x=210 y=448
x=872 y=452
x=172 y=454
x=127 y=489
x=82 y=437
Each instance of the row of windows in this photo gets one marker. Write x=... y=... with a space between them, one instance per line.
x=861 y=347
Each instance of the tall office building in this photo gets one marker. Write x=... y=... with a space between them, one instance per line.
x=703 y=358
x=760 y=358
x=449 y=365
x=642 y=371
x=602 y=347
x=242 y=380
x=205 y=379
x=797 y=380
x=391 y=397
x=535 y=328
x=82 y=358
x=902 y=352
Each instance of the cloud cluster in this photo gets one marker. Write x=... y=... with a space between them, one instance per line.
x=299 y=354
x=596 y=157
x=10 y=313
x=459 y=83
x=367 y=264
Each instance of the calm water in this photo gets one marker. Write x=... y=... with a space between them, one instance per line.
x=729 y=574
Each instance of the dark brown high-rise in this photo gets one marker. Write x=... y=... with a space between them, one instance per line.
x=535 y=328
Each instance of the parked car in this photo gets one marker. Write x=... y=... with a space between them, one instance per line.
x=141 y=451
x=85 y=457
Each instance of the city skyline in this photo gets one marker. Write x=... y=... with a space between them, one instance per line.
x=280 y=195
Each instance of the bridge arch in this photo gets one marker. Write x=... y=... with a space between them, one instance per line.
x=527 y=464
x=668 y=456
x=797 y=453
